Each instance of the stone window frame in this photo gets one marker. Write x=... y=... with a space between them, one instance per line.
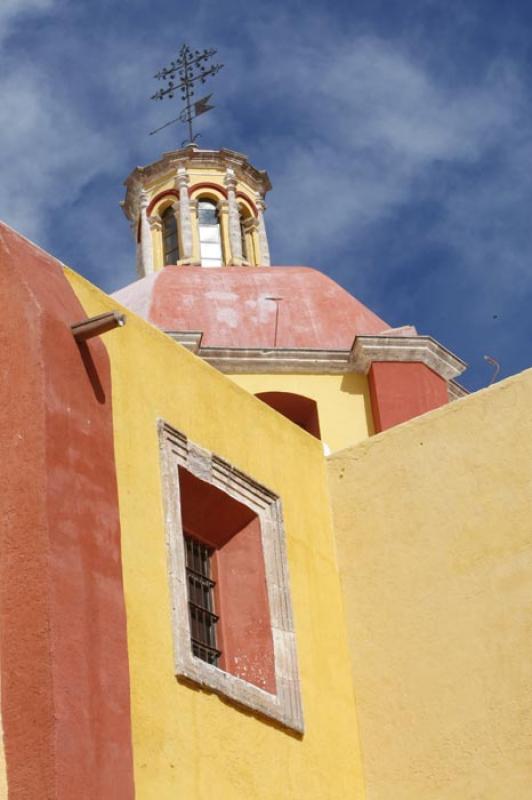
x=285 y=705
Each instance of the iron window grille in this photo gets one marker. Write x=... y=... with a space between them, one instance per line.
x=200 y=590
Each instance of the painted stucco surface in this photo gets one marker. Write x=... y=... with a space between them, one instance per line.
x=344 y=404
x=63 y=646
x=187 y=742
x=232 y=308
x=434 y=537
x=402 y=391
x=3 y=772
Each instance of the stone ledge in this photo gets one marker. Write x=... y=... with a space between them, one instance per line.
x=365 y=350
x=424 y=349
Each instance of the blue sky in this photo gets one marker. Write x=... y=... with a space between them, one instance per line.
x=398 y=137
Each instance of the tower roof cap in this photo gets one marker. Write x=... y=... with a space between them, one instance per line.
x=189 y=157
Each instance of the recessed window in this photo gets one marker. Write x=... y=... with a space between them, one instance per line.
x=169 y=233
x=209 y=234
x=228 y=602
x=232 y=620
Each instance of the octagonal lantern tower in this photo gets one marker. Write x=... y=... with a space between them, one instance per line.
x=198 y=208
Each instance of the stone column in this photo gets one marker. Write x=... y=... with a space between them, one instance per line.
x=223 y=217
x=264 y=260
x=234 y=218
x=145 y=257
x=156 y=227
x=185 y=218
x=138 y=249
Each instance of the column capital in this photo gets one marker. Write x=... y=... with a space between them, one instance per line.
x=230 y=180
x=259 y=202
x=184 y=207
x=155 y=222
x=250 y=224
x=144 y=199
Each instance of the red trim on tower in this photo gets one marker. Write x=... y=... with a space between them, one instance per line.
x=215 y=186
x=160 y=196
x=244 y=196
x=403 y=390
x=63 y=645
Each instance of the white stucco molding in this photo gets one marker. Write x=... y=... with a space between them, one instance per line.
x=285 y=705
x=424 y=349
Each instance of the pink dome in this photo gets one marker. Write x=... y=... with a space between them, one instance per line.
x=230 y=306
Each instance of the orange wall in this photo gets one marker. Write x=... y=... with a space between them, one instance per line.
x=401 y=391
x=65 y=681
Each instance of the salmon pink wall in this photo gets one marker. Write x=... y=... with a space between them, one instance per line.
x=233 y=530
x=246 y=632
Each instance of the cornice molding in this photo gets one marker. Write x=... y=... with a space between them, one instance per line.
x=234 y=360
x=456 y=391
x=189 y=339
x=188 y=157
x=424 y=349
x=365 y=350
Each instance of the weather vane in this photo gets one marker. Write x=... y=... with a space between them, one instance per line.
x=181 y=76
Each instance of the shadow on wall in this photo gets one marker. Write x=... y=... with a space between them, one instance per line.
x=296 y=407
x=353 y=383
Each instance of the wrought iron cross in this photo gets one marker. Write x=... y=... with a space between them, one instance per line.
x=181 y=76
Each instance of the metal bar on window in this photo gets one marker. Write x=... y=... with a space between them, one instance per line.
x=200 y=592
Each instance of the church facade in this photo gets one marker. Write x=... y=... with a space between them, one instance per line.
x=256 y=543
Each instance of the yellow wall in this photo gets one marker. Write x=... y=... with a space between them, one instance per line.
x=189 y=743
x=434 y=536
x=344 y=404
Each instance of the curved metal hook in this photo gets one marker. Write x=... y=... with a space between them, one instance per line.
x=494 y=363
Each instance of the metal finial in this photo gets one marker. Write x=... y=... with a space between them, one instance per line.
x=181 y=76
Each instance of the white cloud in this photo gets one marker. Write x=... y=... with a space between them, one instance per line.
x=13 y=11
x=370 y=123
x=363 y=128
x=52 y=152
